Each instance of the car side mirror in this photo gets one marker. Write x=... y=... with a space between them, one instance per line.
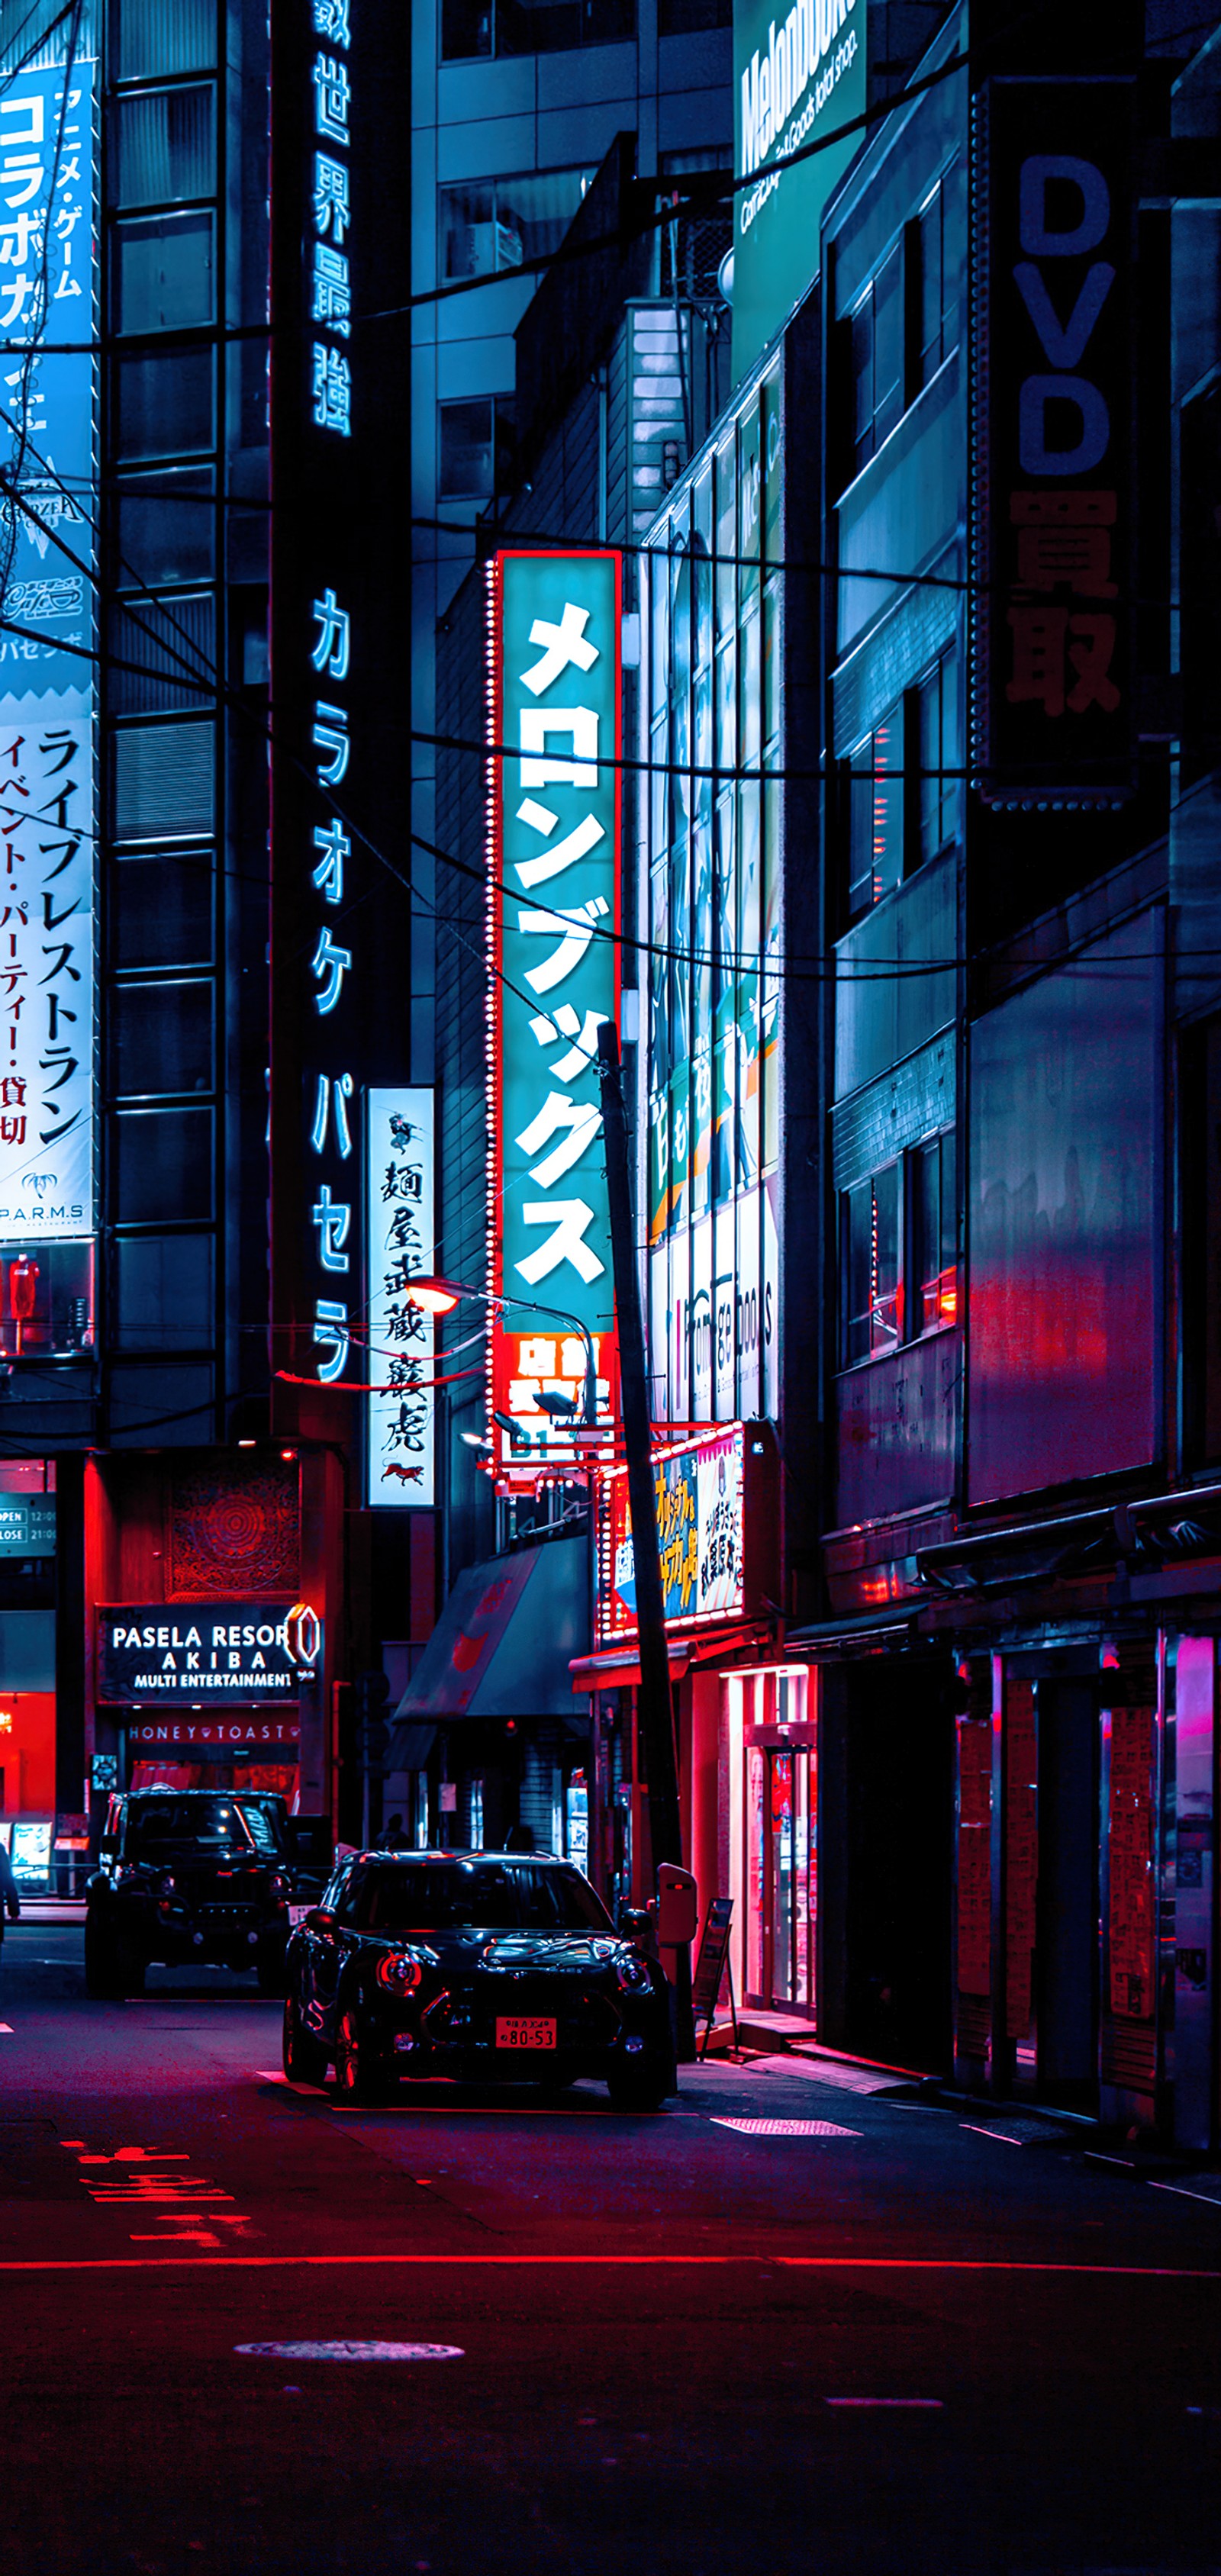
x=319 y=1919
x=634 y=1922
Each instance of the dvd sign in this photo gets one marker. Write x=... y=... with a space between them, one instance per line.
x=1053 y=715
x=203 y=1654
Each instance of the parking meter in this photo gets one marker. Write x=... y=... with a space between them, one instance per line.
x=676 y=1913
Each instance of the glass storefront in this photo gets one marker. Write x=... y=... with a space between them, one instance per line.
x=774 y=1836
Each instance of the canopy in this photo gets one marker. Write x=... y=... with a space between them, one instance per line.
x=504 y=1641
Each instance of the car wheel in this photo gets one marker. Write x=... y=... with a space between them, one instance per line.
x=269 y=1963
x=305 y=2060
x=101 y=1973
x=642 y=2087
x=359 y=2075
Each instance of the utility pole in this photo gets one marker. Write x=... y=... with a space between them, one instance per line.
x=655 y=1702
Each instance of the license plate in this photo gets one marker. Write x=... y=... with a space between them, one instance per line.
x=524 y=2030
x=297 y=1914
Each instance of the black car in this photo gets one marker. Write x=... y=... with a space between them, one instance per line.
x=188 y=1875
x=476 y=1965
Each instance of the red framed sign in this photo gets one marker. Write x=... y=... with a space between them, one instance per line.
x=553 y=826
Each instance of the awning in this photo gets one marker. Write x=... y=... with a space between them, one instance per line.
x=505 y=1639
x=848 y=1636
x=618 y=1667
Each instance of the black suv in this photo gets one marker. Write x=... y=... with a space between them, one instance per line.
x=198 y=1874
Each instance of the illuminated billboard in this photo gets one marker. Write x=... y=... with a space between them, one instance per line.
x=48 y=557
x=796 y=78
x=717 y=1527
x=553 y=894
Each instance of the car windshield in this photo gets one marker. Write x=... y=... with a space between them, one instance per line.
x=215 y=1824
x=495 y=1896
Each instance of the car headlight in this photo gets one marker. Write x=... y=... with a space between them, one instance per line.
x=633 y=1975
x=397 y=1973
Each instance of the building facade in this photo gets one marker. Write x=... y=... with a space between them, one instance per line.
x=190 y=1574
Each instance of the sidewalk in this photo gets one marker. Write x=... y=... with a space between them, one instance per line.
x=50 y=1909
x=772 y=2042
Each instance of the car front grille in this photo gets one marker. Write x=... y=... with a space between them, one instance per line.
x=465 y=2016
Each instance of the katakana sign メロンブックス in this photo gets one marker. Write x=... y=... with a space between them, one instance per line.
x=553 y=856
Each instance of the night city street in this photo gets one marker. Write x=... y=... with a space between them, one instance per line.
x=610 y=1288
x=660 y=2330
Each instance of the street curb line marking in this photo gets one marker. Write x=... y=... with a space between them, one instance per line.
x=1182 y=2191
x=612 y=2262
x=884 y=2401
x=978 y=2132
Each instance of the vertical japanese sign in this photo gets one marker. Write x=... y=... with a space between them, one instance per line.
x=553 y=869
x=48 y=553
x=329 y=219
x=340 y=909
x=1052 y=711
x=402 y=1339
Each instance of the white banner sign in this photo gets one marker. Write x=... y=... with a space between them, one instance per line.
x=46 y=972
x=401 y=1339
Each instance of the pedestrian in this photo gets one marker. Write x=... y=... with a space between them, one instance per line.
x=8 y=1891
x=392 y=1839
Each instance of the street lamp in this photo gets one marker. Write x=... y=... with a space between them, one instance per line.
x=436 y=1296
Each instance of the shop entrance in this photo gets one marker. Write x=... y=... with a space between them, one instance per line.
x=783 y=1909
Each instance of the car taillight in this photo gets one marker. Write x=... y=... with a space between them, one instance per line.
x=398 y=1974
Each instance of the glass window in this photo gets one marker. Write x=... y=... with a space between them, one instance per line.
x=160 y=1039
x=165 y=530
x=162 y=1292
x=474 y=447
x=440 y=1896
x=887 y=347
x=871 y=1296
x=875 y=814
x=492 y=225
x=153 y=38
x=164 y=146
x=156 y=1820
x=929 y=290
x=934 y=1210
x=692 y=17
x=165 y=405
x=473 y=27
x=161 y=1166
x=163 y=272
x=860 y=330
x=52 y=1310
x=938 y=756
x=466 y=29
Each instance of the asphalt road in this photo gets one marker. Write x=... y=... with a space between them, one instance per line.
x=911 y=2339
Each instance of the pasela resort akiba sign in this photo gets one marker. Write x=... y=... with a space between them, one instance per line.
x=196 y=1652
